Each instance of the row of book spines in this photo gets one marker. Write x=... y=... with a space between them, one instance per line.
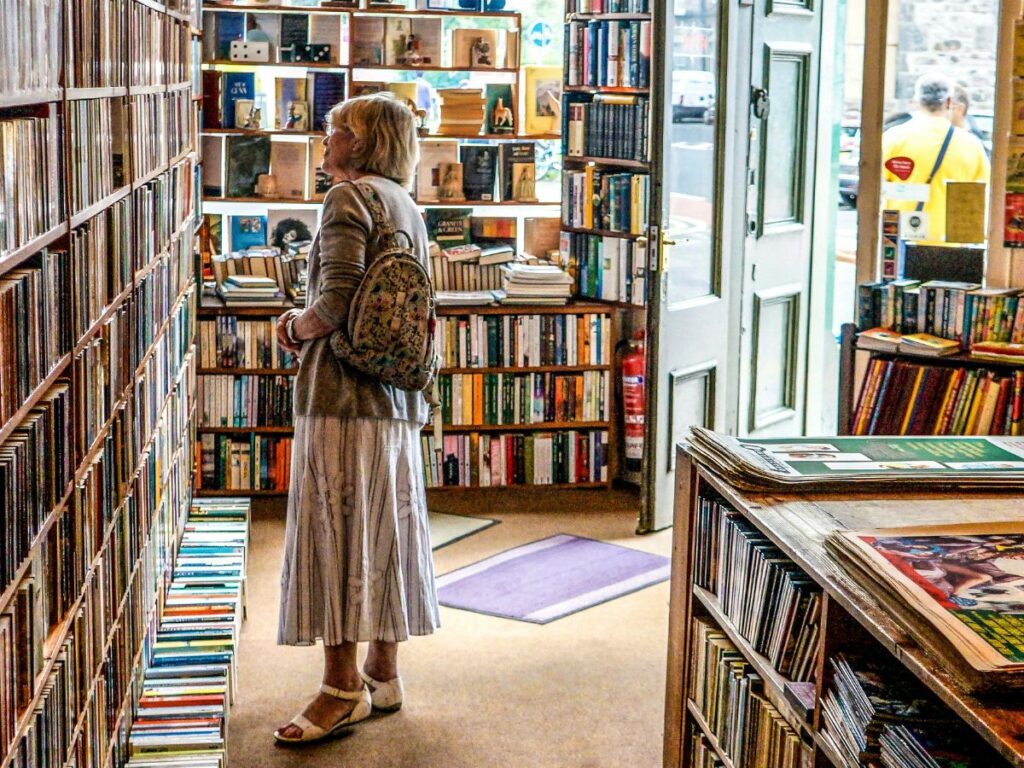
x=244 y=400
x=28 y=58
x=610 y=6
x=30 y=159
x=963 y=314
x=899 y=398
x=524 y=340
x=228 y=342
x=613 y=127
x=464 y=275
x=481 y=461
x=615 y=202
x=729 y=694
x=608 y=53
x=253 y=463
x=505 y=399
x=607 y=267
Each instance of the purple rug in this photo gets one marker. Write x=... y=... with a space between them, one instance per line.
x=550 y=579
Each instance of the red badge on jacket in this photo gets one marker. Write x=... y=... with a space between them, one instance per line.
x=900 y=167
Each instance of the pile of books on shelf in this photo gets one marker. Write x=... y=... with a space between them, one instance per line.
x=966 y=313
x=192 y=678
x=469 y=267
x=462 y=110
x=535 y=284
x=835 y=463
x=957 y=589
x=902 y=398
x=248 y=290
x=261 y=275
x=875 y=712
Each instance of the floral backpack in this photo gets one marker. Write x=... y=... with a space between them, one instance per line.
x=392 y=317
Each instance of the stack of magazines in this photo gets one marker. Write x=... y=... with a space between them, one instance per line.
x=866 y=696
x=535 y=284
x=958 y=588
x=861 y=463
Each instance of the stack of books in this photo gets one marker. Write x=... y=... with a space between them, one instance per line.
x=191 y=679
x=242 y=290
x=535 y=284
x=462 y=111
x=288 y=271
x=469 y=267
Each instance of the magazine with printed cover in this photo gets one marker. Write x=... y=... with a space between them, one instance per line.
x=834 y=462
x=966 y=582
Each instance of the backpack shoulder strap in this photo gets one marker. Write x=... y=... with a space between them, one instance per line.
x=938 y=162
x=381 y=222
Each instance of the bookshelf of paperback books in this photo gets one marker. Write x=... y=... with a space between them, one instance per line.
x=526 y=378
x=944 y=358
x=97 y=372
x=805 y=631
x=606 y=156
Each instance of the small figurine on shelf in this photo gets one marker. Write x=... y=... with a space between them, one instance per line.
x=480 y=54
x=502 y=120
x=412 y=55
x=450 y=187
x=254 y=118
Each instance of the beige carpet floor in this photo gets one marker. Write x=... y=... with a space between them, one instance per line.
x=581 y=692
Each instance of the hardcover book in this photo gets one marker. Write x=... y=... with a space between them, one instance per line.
x=432 y=155
x=230 y=27
x=294 y=32
x=324 y=90
x=450 y=177
x=449 y=226
x=211 y=99
x=543 y=99
x=248 y=157
x=237 y=85
x=509 y=154
x=479 y=171
x=288 y=164
x=367 y=40
x=248 y=231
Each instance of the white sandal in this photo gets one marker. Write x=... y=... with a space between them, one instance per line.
x=386 y=697
x=313 y=732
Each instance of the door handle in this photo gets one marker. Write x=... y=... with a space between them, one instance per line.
x=760 y=102
x=664 y=244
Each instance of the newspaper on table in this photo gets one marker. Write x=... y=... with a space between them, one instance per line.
x=861 y=463
x=958 y=588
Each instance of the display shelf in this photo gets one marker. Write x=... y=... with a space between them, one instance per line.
x=609 y=17
x=100 y=206
x=702 y=723
x=454 y=14
x=231 y=492
x=245 y=430
x=486 y=203
x=12 y=259
x=30 y=98
x=575 y=308
x=254 y=132
x=218 y=63
x=606 y=89
x=262 y=200
x=547 y=486
x=541 y=426
x=81 y=94
x=215 y=310
x=525 y=369
x=607 y=161
x=602 y=232
x=428 y=68
x=150 y=89
x=272 y=8
x=959 y=358
x=247 y=371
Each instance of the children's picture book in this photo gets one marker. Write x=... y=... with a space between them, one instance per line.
x=1013 y=220
x=479 y=171
x=287 y=227
x=248 y=231
x=543 y=99
x=248 y=157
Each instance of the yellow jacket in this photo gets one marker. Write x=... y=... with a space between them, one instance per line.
x=920 y=139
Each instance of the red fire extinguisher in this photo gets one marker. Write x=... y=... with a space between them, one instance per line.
x=634 y=367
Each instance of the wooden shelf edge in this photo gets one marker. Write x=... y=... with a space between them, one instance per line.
x=109 y=311
x=702 y=725
x=98 y=207
x=205 y=430
x=553 y=426
x=213 y=493
x=601 y=232
x=108 y=92
x=523 y=369
x=591 y=485
x=959 y=358
x=247 y=371
x=617 y=161
x=30 y=98
x=14 y=258
x=585 y=307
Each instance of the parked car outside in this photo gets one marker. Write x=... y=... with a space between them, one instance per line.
x=693 y=95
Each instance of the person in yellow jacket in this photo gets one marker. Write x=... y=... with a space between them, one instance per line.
x=929 y=150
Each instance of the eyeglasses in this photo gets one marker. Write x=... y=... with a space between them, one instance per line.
x=330 y=129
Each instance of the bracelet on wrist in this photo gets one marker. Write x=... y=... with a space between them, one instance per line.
x=289 y=330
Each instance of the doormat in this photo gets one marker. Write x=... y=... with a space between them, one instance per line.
x=446 y=529
x=550 y=579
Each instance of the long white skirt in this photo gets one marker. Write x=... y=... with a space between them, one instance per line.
x=357 y=558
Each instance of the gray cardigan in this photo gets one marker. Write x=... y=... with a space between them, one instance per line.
x=345 y=243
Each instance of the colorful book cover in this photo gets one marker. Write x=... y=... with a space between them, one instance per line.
x=248 y=231
x=543 y=89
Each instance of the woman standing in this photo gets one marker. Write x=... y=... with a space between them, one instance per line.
x=357 y=563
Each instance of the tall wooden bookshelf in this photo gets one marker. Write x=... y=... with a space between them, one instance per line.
x=849 y=622
x=97 y=295
x=219 y=441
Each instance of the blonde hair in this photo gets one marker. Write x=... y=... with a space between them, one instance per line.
x=385 y=135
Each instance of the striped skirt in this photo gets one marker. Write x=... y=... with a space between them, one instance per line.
x=357 y=559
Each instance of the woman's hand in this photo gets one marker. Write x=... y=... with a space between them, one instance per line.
x=282 y=331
